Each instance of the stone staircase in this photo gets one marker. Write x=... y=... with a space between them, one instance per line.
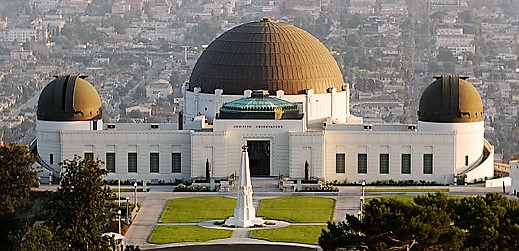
x=265 y=184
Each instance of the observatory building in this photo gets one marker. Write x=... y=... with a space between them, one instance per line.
x=275 y=88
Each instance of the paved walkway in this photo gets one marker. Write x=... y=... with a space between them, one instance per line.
x=346 y=203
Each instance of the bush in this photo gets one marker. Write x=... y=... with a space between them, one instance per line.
x=191 y=188
x=403 y=183
x=325 y=188
x=342 y=183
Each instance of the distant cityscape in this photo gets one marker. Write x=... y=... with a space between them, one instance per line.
x=138 y=54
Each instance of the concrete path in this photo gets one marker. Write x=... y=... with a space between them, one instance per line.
x=240 y=234
x=152 y=205
x=346 y=203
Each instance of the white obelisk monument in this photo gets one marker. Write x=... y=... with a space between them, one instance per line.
x=244 y=212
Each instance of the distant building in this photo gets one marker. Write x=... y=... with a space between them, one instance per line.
x=159 y=89
x=144 y=109
x=23 y=35
x=514 y=175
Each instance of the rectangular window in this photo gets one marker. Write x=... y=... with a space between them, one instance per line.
x=466 y=160
x=176 y=163
x=384 y=163
x=406 y=163
x=340 y=163
x=362 y=163
x=89 y=155
x=51 y=159
x=154 y=162
x=94 y=125
x=110 y=162
x=427 y=163
x=132 y=162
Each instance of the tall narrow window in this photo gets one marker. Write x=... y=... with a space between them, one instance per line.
x=132 y=162
x=176 y=162
x=466 y=160
x=384 y=163
x=340 y=163
x=110 y=162
x=427 y=163
x=406 y=163
x=362 y=163
x=89 y=155
x=94 y=125
x=51 y=159
x=154 y=162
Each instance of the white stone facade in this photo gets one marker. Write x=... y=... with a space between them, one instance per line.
x=290 y=143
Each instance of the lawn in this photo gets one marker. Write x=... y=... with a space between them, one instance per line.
x=299 y=234
x=407 y=190
x=298 y=209
x=198 y=209
x=171 y=234
x=406 y=199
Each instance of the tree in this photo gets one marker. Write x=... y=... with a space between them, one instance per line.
x=490 y=222
x=16 y=176
x=391 y=224
x=16 y=179
x=81 y=214
x=40 y=238
x=345 y=234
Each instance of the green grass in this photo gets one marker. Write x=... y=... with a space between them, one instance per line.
x=407 y=190
x=406 y=199
x=198 y=209
x=171 y=234
x=410 y=198
x=298 y=209
x=297 y=234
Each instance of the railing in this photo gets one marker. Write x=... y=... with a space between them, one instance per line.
x=33 y=148
x=481 y=159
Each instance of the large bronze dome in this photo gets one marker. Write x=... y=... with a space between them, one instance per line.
x=69 y=98
x=451 y=99
x=266 y=55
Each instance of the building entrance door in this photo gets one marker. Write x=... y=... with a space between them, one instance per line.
x=259 y=157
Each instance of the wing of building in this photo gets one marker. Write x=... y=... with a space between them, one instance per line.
x=275 y=88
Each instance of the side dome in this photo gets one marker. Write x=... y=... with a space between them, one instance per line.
x=69 y=98
x=451 y=99
x=266 y=55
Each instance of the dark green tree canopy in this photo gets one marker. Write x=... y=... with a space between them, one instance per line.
x=81 y=214
x=17 y=176
x=433 y=222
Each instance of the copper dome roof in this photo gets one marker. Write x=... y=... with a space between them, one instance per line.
x=451 y=99
x=69 y=98
x=260 y=106
x=269 y=56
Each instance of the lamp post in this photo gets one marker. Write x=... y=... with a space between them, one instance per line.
x=135 y=192
x=119 y=214
x=119 y=197
x=362 y=197
x=127 y=211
